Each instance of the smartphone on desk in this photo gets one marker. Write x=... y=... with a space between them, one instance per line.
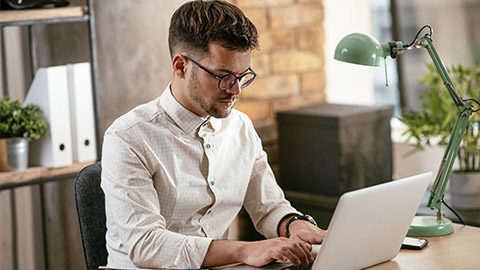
x=414 y=243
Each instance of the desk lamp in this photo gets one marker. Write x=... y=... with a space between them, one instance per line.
x=365 y=50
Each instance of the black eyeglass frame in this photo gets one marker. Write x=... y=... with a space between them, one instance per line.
x=220 y=78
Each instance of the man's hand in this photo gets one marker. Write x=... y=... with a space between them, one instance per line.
x=258 y=253
x=306 y=231
x=283 y=249
x=296 y=249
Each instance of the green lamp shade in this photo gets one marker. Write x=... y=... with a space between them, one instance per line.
x=359 y=49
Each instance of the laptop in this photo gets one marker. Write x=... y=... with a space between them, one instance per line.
x=368 y=225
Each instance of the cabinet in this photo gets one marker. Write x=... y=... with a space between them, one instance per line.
x=39 y=175
x=333 y=148
x=49 y=15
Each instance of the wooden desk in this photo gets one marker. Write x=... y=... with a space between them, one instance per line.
x=459 y=250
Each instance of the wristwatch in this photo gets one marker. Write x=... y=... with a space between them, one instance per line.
x=302 y=217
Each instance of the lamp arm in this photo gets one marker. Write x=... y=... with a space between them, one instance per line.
x=427 y=43
x=446 y=165
x=464 y=112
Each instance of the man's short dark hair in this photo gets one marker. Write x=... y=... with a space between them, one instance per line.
x=198 y=23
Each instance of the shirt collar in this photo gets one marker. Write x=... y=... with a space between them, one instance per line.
x=184 y=118
x=213 y=123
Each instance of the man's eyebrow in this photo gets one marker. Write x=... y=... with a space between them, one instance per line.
x=231 y=72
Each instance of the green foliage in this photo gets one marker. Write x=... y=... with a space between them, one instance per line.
x=18 y=121
x=438 y=113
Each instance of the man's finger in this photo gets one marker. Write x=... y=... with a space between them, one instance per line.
x=307 y=248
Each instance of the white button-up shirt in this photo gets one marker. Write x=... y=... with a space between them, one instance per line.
x=174 y=181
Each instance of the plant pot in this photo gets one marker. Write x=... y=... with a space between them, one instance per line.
x=13 y=154
x=465 y=190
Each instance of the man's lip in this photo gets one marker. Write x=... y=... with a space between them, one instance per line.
x=227 y=103
x=228 y=100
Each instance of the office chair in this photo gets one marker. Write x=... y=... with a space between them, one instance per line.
x=90 y=202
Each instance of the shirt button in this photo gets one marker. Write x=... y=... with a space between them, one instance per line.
x=208 y=146
x=212 y=183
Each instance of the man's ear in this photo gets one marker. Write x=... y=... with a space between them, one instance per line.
x=179 y=63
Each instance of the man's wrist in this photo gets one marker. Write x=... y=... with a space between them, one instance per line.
x=299 y=217
x=282 y=225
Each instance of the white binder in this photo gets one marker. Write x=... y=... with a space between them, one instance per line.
x=81 y=112
x=49 y=90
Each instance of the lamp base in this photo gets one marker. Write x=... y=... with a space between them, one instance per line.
x=430 y=226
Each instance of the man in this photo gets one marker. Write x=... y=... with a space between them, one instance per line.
x=177 y=170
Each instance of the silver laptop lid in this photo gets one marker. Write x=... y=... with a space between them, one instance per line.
x=369 y=224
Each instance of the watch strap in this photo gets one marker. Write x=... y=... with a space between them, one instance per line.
x=301 y=217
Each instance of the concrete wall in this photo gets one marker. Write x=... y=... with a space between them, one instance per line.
x=134 y=62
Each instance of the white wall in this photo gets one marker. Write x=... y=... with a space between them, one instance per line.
x=347 y=83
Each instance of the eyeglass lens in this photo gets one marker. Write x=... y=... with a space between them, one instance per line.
x=229 y=80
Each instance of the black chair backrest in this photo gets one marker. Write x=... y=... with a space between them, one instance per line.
x=90 y=201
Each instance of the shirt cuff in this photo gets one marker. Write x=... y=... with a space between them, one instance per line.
x=194 y=260
x=273 y=221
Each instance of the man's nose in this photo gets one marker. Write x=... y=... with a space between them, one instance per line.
x=235 y=89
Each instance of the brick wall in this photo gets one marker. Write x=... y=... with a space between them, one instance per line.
x=289 y=65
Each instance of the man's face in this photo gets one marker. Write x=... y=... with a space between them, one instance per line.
x=205 y=98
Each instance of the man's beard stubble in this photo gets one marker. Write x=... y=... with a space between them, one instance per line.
x=204 y=105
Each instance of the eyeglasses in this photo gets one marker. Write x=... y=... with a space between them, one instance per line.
x=226 y=82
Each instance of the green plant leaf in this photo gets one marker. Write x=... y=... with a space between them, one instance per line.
x=17 y=121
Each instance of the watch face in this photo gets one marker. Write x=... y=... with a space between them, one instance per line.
x=310 y=218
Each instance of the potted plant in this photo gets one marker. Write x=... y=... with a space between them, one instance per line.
x=17 y=126
x=434 y=124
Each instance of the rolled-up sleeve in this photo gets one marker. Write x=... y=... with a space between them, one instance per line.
x=133 y=209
